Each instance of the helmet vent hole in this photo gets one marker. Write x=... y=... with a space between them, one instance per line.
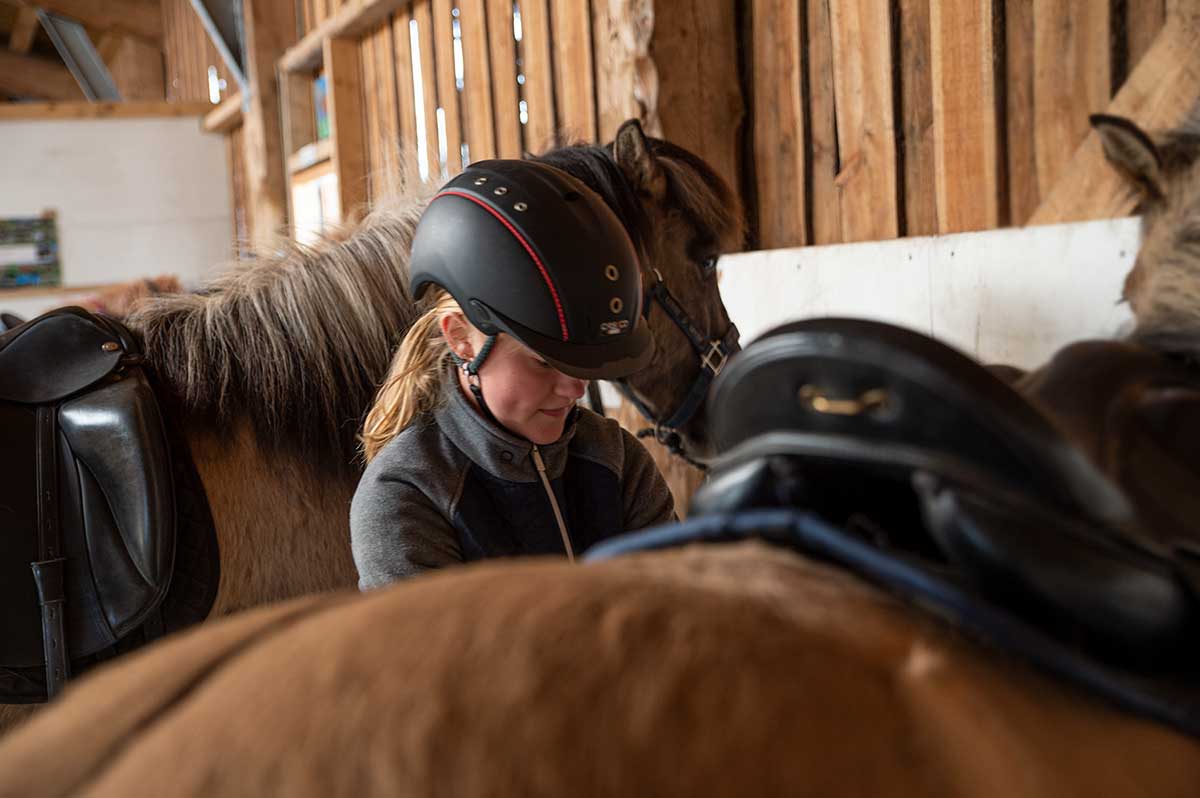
x=571 y=196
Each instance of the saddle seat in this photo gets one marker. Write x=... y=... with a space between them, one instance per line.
x=87 y=497
x=920 y=449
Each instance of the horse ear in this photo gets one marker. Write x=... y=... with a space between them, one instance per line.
x=1134 y=153
x=632 y=153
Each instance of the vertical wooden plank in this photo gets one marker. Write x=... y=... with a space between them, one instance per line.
x=684 y=72
x=296 y=104
x=916 y=119
x=423 y=14
x=385 y=180
x=571 y=37
x=779 y=146
x=406 y=111
x=447 y=89
x=1143 y=21
x=824 y=197
x=270 y=27
x=1020 y=154
x=862 y=83
x=964 y=115
x=137 y=70
x=345 y=125
x=478 y=129
x=1071 y=79
x=613 y=46
x=24 y=29
x=541 y=131
x=367 y=82
x=505 y=91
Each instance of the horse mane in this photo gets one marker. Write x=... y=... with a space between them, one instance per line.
x=297 y=341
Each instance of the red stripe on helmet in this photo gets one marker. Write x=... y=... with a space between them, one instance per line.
x=562 y=319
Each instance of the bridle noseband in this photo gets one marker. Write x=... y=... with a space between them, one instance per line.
x=712 y=353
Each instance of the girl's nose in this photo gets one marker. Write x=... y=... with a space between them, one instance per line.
x=571 y=387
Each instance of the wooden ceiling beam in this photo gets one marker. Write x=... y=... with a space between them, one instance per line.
x=139 y=18
x=24 y=30
x=24 y=76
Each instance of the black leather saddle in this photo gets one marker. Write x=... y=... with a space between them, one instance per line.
x=88 y=500
x=911 y=463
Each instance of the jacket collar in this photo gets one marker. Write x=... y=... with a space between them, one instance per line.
x=491 y=446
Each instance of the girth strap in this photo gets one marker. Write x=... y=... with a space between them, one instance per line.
x=48 y=570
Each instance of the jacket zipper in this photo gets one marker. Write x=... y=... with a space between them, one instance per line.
x=562 y=527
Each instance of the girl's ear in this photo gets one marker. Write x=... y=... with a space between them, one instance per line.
x=456 y=331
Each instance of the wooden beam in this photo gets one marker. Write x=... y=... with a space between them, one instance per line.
x=478 y=128
x=1160 y=92
x=447 y=90
x=224 y=117
x=406 y=110
x=25 y=28
x=1143 y=20
x=862 y=72
x=137 y=69
x=86 y=110
x=779 y=146
x=685 y=79
x=270 y=25
x=571 y=38
x=423 y=14
x=823 y=201
x=505 y=92
x=541 y=129
x=346 y=125
x=132 y=17
x=966 y=148
x=917 y=119
x=350 y=21
x=1072 y=78
x=26 y=76
x=1020 y=155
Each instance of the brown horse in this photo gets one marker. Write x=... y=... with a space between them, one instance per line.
x=271 y=368
x=710 y=670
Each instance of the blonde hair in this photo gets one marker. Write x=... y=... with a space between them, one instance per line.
x=414 y=380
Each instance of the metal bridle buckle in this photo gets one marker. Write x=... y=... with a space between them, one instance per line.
x=716 y=352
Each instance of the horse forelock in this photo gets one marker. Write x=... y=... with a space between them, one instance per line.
x=711 y=205
x=296 y=342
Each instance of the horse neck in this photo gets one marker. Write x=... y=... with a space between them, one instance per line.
x=282 y=530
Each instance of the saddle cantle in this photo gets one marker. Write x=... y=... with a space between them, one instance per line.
x=87 y=499
x=913 y=465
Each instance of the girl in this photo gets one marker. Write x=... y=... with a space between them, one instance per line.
x=475 y=447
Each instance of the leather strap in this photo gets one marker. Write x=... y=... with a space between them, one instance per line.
x=48 y=570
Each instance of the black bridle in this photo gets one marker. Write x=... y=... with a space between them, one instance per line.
x=712 y=352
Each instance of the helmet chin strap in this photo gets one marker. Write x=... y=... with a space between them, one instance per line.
x=471 y=369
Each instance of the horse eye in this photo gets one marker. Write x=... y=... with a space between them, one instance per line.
x=709 y=265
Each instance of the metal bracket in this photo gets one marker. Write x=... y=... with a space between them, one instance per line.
x=224 y=23
x=80 y=55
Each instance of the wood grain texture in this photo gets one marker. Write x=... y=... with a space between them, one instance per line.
x=862 y=70
x=964 y=115
x=779 y=144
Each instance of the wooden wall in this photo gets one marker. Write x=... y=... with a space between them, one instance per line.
x=874 y=120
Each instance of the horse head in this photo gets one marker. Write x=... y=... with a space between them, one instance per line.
x=1163 y=288
x=681 y=217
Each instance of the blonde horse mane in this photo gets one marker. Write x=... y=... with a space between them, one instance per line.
x=296 y=340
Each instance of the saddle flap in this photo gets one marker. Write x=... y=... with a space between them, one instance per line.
x=117 y=438
x=58 y=354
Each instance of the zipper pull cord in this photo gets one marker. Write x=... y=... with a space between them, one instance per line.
x=562 y=526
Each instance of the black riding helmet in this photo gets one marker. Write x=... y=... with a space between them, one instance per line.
x=528 y=250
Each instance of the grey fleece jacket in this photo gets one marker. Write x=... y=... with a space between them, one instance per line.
x=453 y=487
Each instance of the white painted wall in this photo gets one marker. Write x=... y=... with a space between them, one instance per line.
x=135 y=197
x=1005 y=296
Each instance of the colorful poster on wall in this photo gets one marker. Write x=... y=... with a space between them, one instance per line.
x=321 y=106
x=29 y=251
